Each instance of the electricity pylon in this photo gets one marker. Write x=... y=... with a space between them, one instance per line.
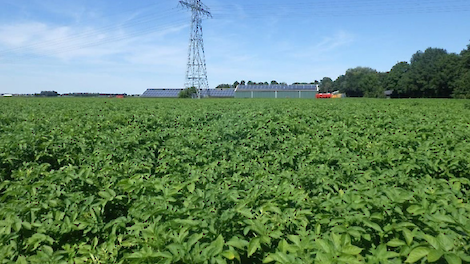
x=196 y=73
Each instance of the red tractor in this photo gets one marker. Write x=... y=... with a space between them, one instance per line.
x=323 y=95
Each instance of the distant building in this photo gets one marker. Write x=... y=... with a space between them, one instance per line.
x=161 y=93
x=277 y=91
x=243 y=91
x=218 y=93
x=7 y=95
x=388 y=93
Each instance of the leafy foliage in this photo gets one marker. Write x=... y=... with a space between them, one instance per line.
x=361 y=81
x=326 y=85
x=434 y=73
x=188 y=93
x=462 y=90
x=258 y=181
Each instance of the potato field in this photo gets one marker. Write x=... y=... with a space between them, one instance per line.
x=234 y=181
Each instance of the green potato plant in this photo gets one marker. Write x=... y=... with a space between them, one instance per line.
x=234 y=181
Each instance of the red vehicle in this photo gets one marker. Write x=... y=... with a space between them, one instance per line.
x=323 y=95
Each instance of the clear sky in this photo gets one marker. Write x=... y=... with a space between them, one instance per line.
x=122 y=46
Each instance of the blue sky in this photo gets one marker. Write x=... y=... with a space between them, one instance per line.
x=123 y=46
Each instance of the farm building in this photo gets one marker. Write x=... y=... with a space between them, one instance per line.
x=244 y=91
x=276 y=91
x=161 y=93
x=173 y=93
x=218 y=93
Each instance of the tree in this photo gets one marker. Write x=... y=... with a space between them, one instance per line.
x=371 y=86
x=48 y=94
x=340 y=83
x=188 y=93
x=360 y=81
x=393 y=80
x=274 y=82
x=224 y=85
x=449 y=70
x=462 y=86
x=462 y=83
x=326 y=85
x=466 y=57
x=235 y=84
x=423 y=74
x=242 y=82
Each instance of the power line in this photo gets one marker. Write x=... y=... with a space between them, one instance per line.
x=163 y=19
x=338 y=8
x=350 y=13
x=337 y=3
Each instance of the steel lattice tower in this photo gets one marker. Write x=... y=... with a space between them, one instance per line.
x=196 y=73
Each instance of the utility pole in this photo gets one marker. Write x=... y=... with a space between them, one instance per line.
x=196 y=73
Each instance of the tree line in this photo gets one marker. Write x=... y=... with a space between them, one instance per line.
x=434 y=73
